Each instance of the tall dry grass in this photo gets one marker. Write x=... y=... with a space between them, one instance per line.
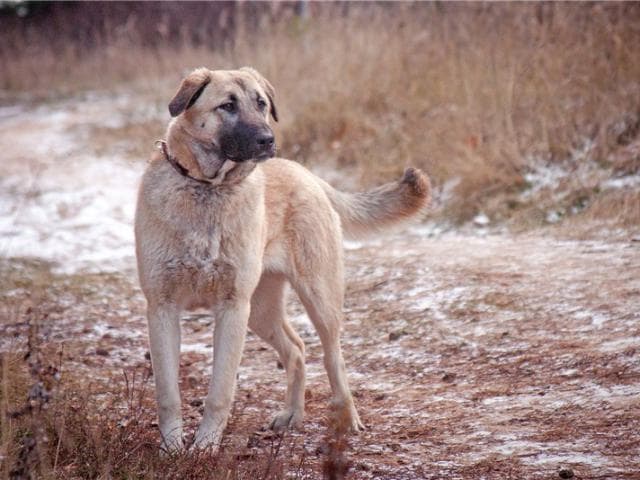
x=470 y=92
x=55 y=424
x=60 y=420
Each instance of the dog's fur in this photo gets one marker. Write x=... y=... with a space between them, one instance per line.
x=228 y=236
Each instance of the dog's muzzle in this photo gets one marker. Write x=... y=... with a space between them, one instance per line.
x=248 y=142
x=266 y=146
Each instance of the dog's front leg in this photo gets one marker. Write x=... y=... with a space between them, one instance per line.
x=164 y=340
x=228 y=343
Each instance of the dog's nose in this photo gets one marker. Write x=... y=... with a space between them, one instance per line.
x=265 y=140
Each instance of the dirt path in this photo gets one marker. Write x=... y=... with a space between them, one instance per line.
x=471 y=356
x=498 y=357
x=517 y=354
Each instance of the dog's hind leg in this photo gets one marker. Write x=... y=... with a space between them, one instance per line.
x=164 y=341
x=268 y=320
x=322 y=296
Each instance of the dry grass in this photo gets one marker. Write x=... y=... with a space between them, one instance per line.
x=66 y=428
x=55 y=423
x=468 y=92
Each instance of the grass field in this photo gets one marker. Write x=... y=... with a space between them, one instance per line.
x=481 y=96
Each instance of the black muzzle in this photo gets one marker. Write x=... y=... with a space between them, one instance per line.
x=248 y=142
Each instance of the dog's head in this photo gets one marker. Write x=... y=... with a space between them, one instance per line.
x=225 y=116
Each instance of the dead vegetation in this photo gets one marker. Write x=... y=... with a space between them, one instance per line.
x=468 y=357
x=78 y=404
x=475 y=94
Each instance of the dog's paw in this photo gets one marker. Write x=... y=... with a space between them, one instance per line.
x=345 y=418
x=287 y=419
x=207 y=440
x=350 y=420
x=172 y=441
x=169 y=449
x=356 y=424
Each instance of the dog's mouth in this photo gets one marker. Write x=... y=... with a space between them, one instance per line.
x=256 y=157
x=264 y=156
x=227 y=164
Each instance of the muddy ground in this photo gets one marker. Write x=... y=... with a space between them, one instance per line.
x=472 y=353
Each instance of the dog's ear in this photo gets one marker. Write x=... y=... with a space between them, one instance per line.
x=190 y=89
x=267 y=87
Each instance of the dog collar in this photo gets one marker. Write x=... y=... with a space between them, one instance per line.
x=162 y=146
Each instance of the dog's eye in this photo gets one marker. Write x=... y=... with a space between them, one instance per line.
x=229 y=107
x=261 y=103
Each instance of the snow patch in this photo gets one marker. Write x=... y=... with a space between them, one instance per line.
x=81 y=218
x=203 y=348
x=538 y=453
x=619 y=344
x=542 y=175
x=481 y=220
x=629 y=181
x=59 y=201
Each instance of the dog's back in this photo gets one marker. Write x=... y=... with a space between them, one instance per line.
x=360 y=213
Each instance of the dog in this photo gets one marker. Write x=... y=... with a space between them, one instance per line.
x=220 y=224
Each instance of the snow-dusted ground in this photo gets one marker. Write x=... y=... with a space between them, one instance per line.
x=61 y=200
x=472 y=356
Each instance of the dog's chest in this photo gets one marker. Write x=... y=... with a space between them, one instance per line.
x=200 y=266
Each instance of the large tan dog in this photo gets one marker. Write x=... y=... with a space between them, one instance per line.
x=218 y=229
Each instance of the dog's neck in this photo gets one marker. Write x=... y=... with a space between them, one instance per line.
x=191 y=158
x=185 y=150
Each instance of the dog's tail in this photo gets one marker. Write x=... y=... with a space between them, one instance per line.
x=384 y=206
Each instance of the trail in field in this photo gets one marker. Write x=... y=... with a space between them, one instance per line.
x=471 y=355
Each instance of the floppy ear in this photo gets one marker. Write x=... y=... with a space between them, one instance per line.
x=189 y=91
x=267 y=87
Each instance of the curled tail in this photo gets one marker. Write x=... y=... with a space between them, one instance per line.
x=384 y=206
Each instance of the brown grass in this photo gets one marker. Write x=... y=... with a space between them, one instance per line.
x=464 y=91
x=72 y=433
x=59 y=420
x=55 y=425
